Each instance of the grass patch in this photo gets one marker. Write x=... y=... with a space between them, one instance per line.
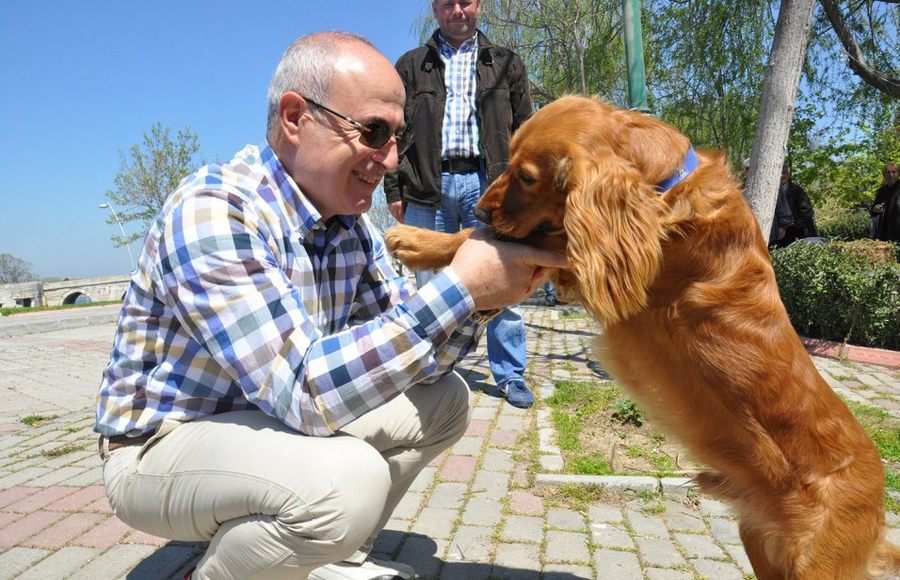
x=602 y=432
x=579 y=497
x=19 y=310
x=62 y=450
x=592 y=464
x=884 y=430
x=34 y=420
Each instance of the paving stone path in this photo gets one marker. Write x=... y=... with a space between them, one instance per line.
x=486 y=509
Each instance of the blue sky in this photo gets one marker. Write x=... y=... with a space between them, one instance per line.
x=81 y=81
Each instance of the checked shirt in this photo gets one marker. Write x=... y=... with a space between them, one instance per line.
x=459 y=136
x=244 y=298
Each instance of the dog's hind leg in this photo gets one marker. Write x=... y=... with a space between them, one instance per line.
x=755 y=546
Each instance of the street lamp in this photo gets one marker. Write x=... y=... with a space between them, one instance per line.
x=121 y=229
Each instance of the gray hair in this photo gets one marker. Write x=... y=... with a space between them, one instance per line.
x=307 y=67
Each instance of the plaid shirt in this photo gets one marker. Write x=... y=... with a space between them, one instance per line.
x=245 y=299
x=459 y=136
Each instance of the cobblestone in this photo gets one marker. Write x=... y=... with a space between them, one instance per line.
x=478 y=512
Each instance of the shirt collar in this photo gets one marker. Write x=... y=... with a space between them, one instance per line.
x=470 y=45
x=309 y=217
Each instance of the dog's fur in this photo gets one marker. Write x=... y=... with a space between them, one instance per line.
x=694 y=328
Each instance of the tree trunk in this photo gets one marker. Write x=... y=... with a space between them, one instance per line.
x=776 y=110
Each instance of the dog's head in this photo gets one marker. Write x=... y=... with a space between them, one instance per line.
x=585 y=172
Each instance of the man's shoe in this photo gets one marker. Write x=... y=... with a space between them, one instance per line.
x=371 y=569
x=517 y=394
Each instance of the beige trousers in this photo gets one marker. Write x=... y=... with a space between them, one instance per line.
x=274 y=503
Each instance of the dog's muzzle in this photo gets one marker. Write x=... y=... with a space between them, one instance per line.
x=482 y=215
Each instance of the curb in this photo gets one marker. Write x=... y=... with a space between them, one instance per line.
x=843 y=351
x=680 y=486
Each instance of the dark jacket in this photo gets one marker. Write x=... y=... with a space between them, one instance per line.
x=802 y=210
x=503 y=102
x=889 y=222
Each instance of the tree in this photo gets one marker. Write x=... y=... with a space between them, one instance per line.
x=569 y=46
x=149 y=173
x=14 y=270
x=777 y=107
x=707 y=83
x=866 y=20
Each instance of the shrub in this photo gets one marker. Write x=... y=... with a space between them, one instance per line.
x=837 y=291
x=837 y=222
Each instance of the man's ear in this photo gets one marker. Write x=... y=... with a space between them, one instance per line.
x=291 y=108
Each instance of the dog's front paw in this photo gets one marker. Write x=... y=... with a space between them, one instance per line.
x=421 y=249
x=402 y=243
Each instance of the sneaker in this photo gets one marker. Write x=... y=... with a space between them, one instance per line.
x=517 y=394
x=371 y=569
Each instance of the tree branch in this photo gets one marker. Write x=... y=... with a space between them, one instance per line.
x=858 y=64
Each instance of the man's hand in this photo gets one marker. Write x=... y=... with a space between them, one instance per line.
x=396 y=209
x=878 y=208
x=499 y=274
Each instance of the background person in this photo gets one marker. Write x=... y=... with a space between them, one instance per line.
x=464 y=98
x=885 y=210
x=266 y=391
x=794 y=215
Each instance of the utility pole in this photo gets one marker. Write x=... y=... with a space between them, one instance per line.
x=634 y=56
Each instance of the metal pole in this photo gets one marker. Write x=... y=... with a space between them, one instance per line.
x=634 y=56
x=121 y=229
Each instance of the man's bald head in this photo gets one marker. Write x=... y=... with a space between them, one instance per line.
x=309 y=64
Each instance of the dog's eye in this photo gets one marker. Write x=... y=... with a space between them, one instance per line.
x=526 y=179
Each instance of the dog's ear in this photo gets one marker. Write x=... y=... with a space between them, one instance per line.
x=613 y=222
x=561 y=179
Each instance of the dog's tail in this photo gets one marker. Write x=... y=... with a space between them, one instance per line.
x=885 y=560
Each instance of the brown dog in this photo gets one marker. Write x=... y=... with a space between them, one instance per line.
x=679 y=277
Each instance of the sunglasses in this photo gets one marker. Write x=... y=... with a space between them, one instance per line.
x=373 y=134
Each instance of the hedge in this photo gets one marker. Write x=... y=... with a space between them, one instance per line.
x=842 y=291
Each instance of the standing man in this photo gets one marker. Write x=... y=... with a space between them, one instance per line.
x=274 y=385
x=886 y=207
x=464 y=99
x=794 y=215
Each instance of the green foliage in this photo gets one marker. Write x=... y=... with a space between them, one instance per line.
x=847 y=166
x=708 y=83
x=626 y=411
x=149 y=173
x=833 y=292
x=568 y=46
x=838 y=222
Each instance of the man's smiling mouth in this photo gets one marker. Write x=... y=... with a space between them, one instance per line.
x=370 y=179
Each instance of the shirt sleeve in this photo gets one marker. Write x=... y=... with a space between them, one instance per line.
x=381 y=288
x=218 y=269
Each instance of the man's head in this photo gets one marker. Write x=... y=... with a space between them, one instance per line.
x=323 y=150
x=785 y=174
x=890 y=174
x=457 y=19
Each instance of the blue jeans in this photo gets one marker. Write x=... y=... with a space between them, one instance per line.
x=506 y=332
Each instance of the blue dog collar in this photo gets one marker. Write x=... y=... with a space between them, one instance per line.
x=689 y=165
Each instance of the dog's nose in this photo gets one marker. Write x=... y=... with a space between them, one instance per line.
x=482 y=215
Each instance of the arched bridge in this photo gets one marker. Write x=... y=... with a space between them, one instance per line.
x=37 y=293
x=107 y=288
